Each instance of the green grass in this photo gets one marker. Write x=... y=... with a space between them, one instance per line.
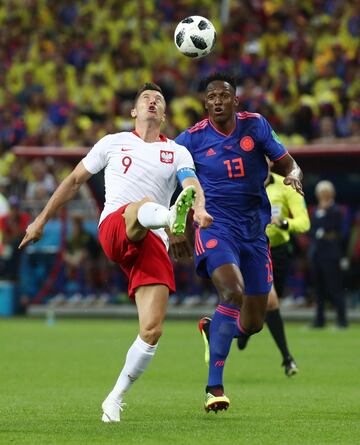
x=54 y=378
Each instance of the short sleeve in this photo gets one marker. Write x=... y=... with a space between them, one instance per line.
x=184 y=139
x=95 y=160
x=183 y=158
x=273 y=148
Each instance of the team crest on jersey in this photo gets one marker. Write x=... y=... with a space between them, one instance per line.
x=247 y=143
x=167 y=156
x=211 y=243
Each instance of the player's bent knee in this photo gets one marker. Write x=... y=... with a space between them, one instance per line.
x=131 y=211
x=273 y=301
x=134 y=230
x=253 y=327
x=233 y=296
x=257 y=327
x=271 y=305
x=151 y=335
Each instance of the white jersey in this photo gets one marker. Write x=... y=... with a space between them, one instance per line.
x=135 y=169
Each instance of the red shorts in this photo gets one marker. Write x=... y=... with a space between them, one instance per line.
x=144 y=262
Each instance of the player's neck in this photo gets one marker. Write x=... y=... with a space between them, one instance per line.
x=148 y=133
x=224 y=127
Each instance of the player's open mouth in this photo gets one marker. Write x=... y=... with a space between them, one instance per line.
x=218 y=110
x=152 y=109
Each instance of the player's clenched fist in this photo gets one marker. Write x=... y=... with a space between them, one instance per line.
x=202 y=217
x=33 y=233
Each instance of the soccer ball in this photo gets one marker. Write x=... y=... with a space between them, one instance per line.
x=195 y=36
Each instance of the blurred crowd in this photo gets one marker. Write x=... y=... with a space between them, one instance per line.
x=70 y=70
x=68 y=267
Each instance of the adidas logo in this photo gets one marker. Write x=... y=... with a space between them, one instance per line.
x=211 y=152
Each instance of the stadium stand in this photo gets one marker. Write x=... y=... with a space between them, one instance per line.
x=302 y=74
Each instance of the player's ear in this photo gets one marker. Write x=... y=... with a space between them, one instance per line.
x=133 y=113
x=236 y=101
x=163 y=119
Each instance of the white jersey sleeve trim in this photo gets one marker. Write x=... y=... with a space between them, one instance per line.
x=96 y=160
x=184 y=158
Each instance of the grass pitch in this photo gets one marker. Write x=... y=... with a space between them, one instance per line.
x=54 y=378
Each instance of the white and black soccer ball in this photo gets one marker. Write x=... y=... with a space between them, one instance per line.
x=195 y=36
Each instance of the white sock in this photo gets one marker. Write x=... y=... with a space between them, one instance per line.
x=153 y=215
x=138 y=357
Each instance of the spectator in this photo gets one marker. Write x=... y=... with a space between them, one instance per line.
x=98 y=47
x=15 y=173
x=353 y=260
x=326 y=253
x=12 y=227
x=355 y=127
x=72 y=77
x=29 y=89
x=4 y=205
x=42 y=184
x=4 y=208
x=81 y=253
x=326 y=131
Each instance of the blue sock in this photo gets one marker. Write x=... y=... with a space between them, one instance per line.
x=223 y=328
x=240 y=331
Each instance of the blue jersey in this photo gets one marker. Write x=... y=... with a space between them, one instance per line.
x=232 y=169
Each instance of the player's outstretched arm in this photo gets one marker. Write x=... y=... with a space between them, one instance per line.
x=287 y=167
x=65 y=192
x=201 y=216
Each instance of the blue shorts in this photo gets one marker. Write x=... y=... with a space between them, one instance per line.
x=251 y=257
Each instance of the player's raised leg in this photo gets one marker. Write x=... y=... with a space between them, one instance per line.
x=145 y=214
x=151 y=302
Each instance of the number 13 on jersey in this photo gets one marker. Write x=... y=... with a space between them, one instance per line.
x=235 y=168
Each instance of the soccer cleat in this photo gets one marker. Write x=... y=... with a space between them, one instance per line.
x=216 y=402
x=179 y=211
x=290 y=367
x=204 y=327
x=111 y=410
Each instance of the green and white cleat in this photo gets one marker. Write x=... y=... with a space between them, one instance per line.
x=204 y=328
x=179 y=211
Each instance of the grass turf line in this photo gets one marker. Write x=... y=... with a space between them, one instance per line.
x=54 y=378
